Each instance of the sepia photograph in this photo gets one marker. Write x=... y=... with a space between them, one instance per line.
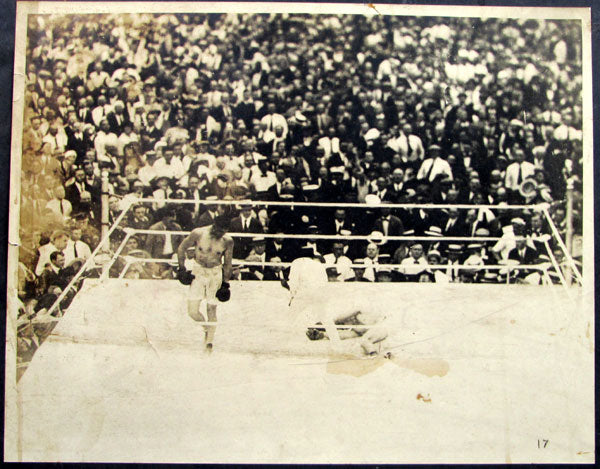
x=300 y=233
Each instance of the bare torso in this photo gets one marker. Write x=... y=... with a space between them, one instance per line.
x=209 y=251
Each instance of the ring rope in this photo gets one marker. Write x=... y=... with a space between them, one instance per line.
x=133 y=259
x=331 y=237
x=537 y=207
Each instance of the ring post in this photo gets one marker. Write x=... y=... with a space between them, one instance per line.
x=104 y=203
x=569 y=222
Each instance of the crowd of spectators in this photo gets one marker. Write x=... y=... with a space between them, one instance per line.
x=319 y=108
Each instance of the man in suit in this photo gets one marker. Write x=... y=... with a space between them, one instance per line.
x=84 y=113
x=150 y=132
x=208 y=215
x=245 y=110
x=283 y=185
x=78 y=141
x=246 y=222
x=258 y=254
x=452 y=223
x=322 y=121
x=117 y=119
x=54 y=273
x=383 y=191
x=222 y=112
x=389 y=225
x=339 y=222
x=283 y=249
x=397 y=185
x=75 y=188
x=163 y=246
x=193 y=192
x=524 y=254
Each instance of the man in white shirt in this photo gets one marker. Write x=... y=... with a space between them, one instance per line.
x=342 y=270
x=262 y=179
x=168 y=166
x=100 y=111
x=58 y=242
x=518 y=171
x=413 y=265
x=56 y=138
x=507 y=242
x=147 y=172
x=104 y=138
x=453 y=262
x=274 y=119
x=126 y=137
x=162 y=192
x=60 y=206
x=77 y=248
x=372 y=253
x=409 y=145
x=97 y=77
x=434 y=166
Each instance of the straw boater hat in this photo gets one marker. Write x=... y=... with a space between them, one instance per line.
x=456 y=248
x=434 y=253
x=434 y=231
x=376 y=237
x=372 y=199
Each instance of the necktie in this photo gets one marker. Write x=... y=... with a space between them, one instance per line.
x=453 y=271
x=429 y=171
x=62 y=207
x=386 y=225
x=168 y=246
x=519 y=175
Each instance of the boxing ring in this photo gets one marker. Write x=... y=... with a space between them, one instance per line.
x=478 y=373
x=513 y=366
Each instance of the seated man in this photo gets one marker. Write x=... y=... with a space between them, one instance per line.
x=341 y=270
x=413 y=265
